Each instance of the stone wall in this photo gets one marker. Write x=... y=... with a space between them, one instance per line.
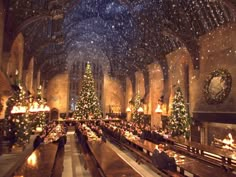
x=114 y=96
x=2 y=17
x=15 y=61
x=58 y=92
x=128 y=97
x=139 y=84
x=29 y=74
x=156 y=91
x=218 y=50
x=5 y=91
x=179 y=63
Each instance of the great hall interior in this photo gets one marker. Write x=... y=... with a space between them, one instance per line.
x=117 y=88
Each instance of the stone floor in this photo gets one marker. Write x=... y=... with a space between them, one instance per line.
x=72 y=163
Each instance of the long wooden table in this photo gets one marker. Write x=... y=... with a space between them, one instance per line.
x=40 y=163
x=109 y=162
x=222 y=157
x=185 y=165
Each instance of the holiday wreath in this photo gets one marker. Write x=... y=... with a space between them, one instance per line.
x=217 y=86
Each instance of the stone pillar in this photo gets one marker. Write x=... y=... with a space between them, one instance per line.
x=2 y=16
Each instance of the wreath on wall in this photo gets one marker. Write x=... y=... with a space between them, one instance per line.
x=217 y=86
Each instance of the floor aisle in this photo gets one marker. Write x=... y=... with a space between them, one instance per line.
x=73 y=161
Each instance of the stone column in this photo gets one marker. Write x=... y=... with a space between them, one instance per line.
x=2 y=16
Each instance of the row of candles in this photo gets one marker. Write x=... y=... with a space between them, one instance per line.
x=33 y=107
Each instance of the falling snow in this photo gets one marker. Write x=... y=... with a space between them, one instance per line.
x=127 y=34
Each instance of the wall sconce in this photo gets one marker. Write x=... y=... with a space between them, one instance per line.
x=159 y=105
x=158 y=109
x=140 y=109
x=128 y=109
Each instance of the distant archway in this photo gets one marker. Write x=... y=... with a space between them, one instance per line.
x=54 y=114
x=15 y=62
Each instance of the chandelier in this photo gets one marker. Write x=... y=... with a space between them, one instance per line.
x=32 y=108
x=19 y=109
x=38 y=107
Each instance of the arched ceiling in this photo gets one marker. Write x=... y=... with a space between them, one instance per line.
x=129 y=34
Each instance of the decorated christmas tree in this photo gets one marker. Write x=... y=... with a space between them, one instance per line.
x=10 y=127
x=87 y=105
x=17 y=118
x=179 y=121
x=137 y=115
x=39 y=116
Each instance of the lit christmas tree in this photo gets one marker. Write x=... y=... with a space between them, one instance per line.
x=17 y=118
x=10 y=127
x=39 y=116
x=179 y=121
x=87 y=105
x=137 y=115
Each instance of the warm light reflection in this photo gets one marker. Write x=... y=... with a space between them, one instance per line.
x=32 y=160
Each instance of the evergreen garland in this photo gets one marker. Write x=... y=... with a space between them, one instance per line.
x=226 y=78
x=87 y=105
x=179 y=121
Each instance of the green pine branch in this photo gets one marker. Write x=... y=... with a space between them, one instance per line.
x=87 y=105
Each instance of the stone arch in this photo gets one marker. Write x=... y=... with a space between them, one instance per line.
x=180 y=65
x=16 y=57
x=128 y=97
x=156 y=90
x=140 y=83
x=29 y=74
x=113 y=96
x=5 y=91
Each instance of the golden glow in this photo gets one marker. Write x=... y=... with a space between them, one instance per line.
x=158 y=109
x=35 y=107
x=39 y=129
x=18 y=109
x=128 y=109
x=32 y=160
x=228 y=142
x=140 y=109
